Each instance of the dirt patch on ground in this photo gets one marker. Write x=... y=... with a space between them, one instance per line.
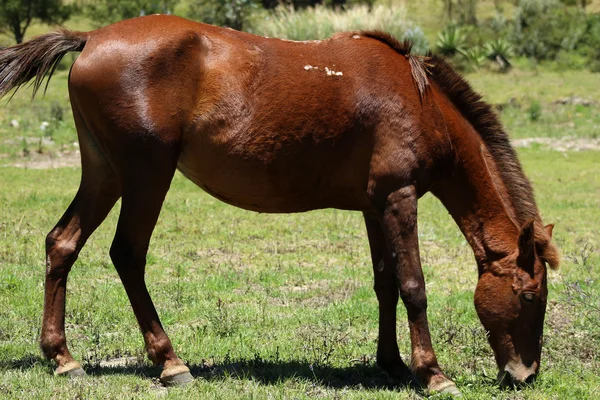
x=49 y=160
x=567 y=143
x=120 y=362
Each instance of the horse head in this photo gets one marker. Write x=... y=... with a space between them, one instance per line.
x=511 y=300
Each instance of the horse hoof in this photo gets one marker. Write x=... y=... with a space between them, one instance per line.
x=76 y=372
x=176 y=376
x=71 y=369
x=446 y=387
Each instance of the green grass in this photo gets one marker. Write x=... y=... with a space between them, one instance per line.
x=28 y=138
x=517 y=90
x=252 y=301
x=541 y=84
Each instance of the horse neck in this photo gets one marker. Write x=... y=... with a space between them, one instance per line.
x=476 y=197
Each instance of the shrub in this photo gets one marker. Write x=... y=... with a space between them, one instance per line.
x=542 y=28
x=231 y=13
x=451 y=41
x=499 y=51
x=592 y=42
x=321 y=22
x=534 y=111
x=476 y=56
x=102 y=12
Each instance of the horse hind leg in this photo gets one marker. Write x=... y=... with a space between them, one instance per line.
x=98 y=192
x=146 y=178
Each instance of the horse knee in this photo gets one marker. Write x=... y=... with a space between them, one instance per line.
x=386 y=291
x=413 y=295
x=127 y=257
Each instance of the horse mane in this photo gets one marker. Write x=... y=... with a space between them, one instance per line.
x=485 y=122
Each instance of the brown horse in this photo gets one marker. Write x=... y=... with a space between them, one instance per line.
x=353 y=122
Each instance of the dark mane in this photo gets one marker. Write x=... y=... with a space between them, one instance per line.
x=486 y=124
x=403 y=48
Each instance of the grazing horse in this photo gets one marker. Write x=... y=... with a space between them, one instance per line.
x=354 y=122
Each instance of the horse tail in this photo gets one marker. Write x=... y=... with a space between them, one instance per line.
x=37 y=58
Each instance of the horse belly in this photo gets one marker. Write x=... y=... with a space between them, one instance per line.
x=281 y=182
x=242 y=184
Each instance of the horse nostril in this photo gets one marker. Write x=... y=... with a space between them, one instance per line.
x=530 y=379
x=525 y=382
x=504 y=379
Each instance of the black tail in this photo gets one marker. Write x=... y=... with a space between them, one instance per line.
x=37 y=58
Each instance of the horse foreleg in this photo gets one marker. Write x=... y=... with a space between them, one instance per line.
x=386 y=290
x=400 y=229
x=144 y=192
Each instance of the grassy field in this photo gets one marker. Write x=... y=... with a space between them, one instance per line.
x=265 y=306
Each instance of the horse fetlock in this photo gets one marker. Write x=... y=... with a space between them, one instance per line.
x=395 y=367
x=52 y=345
x=160 y=351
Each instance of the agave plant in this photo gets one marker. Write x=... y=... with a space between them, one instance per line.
x=476 y=56
x=499 y=50
x=451 y=41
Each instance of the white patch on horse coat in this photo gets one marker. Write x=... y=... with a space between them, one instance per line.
x=331 y=72
x=328 y=71
x=297 y=41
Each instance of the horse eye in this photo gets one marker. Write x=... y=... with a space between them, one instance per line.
x=528 y=297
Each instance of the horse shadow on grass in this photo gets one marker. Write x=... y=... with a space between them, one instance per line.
x=266 y=372
x=360 y=376
x=271 y=372
x=28 y=361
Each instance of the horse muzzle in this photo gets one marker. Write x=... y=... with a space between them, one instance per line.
x=517 y=374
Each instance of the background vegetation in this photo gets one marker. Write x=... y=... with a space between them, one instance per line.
x=264 y=306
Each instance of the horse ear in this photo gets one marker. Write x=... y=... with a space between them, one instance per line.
x=548 y=228
x=527 y=247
